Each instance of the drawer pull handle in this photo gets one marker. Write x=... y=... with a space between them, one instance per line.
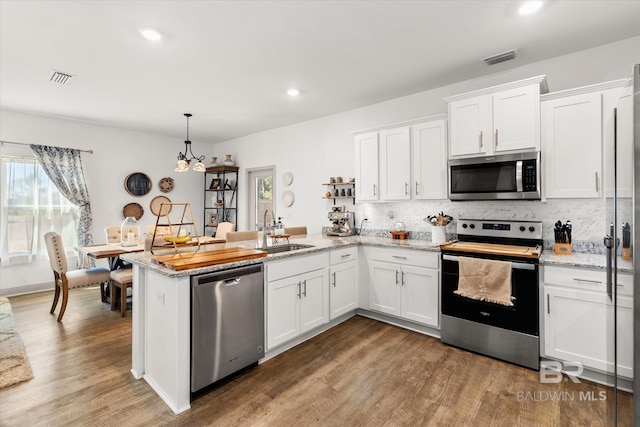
x=597 y=282
x=345 y=256
x=484 y=313
x=399 y=257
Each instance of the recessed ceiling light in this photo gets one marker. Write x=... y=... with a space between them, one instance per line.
x=530 y=7
x=150 y=34
x=293 y=92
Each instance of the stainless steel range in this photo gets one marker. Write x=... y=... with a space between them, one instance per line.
x=509 y=329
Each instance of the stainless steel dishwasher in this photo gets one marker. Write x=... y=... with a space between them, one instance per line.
x=227 y=323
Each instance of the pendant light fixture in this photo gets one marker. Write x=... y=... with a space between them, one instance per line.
x=182 y=165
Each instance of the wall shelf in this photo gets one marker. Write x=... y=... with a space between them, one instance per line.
x=335 y=185
x=220 y=185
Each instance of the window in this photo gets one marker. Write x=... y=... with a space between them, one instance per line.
x=31 y=207
x=260 y=196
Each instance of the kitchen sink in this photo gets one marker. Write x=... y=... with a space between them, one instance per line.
x=286 y=248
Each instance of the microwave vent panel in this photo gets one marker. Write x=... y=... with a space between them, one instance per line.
x=60 y=78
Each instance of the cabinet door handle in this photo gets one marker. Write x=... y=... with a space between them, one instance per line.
x=299 y=291
x=374 y=189
x=548 y=305
x=397 y=281
x=597 y=282
x=496 y=137
x=406 y=188
x=597 y=183
x=304 y=293
x=416 y=187
x=403 y=278
x=480 y=139
x=334 y=279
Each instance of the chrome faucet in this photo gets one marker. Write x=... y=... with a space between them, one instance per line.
x=264 y=226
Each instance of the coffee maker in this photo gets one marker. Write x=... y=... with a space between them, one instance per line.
x=344 y=223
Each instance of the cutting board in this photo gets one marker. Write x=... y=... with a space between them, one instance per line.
x=491 y=248
x=188 y=260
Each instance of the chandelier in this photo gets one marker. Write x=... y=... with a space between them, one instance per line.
x=182 y=165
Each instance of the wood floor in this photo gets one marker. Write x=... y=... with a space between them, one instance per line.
x=360 y=373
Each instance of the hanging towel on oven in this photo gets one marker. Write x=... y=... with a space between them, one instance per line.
x=485 y=280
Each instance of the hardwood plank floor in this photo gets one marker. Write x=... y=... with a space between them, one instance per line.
x=360 y=373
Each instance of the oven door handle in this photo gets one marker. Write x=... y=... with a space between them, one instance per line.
x=514 y=265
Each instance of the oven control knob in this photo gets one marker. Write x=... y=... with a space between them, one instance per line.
x=464 y=225
x=532 y=229
x=522 y=228
x=472 y=226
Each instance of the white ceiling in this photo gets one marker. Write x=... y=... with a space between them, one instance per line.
x=229 y=63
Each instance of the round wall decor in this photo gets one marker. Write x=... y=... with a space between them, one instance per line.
x=137 y=184
x=287 y=178
x=134 y=210
x=166 y=184
x=155 y=205
x=287 y=198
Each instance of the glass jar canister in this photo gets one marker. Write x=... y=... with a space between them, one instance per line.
x=129 y=232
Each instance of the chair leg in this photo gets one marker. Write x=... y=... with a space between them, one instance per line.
x=56 y=295
x=123 y=300
x=112 y=292
x=103 y=294
x=65 y=296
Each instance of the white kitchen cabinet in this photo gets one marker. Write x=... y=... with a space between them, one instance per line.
x=572 y=145
x=404 y=285
x=503 y=118
x=578 y=322
x=343 y=277
x=395 y=161
x=367 y=157
x=297 y=297
x=429 y=156
x=622 y=100
x=403 y=161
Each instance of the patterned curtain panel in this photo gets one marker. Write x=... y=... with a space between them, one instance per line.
x=63 y=166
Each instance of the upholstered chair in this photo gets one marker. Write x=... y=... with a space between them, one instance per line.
x=112 y=234
x=295 y=230
x=122 y=279
x=235 y=236
x=223 y=229
x=65 y=279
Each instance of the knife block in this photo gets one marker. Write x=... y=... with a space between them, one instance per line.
x=563 y=249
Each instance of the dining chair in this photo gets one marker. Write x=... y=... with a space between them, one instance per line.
x=65 y=279
x=295 y=230
x=235 y=236
x=122 y=279
x=223 y=229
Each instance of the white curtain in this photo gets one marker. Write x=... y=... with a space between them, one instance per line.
x=32 y=206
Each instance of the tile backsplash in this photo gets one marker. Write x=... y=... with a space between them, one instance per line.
x=588 y=217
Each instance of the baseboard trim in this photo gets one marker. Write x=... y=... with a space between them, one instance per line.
x=26 y=289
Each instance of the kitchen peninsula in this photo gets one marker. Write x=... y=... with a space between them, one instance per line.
x=162 y=307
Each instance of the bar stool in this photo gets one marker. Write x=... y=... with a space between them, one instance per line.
x=122 y=279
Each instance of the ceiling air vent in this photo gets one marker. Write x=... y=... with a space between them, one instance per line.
x=501 y=57
x=60 y=77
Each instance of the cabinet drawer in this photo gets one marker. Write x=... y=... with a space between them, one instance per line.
x=404 y=256
x=343 y=255
x=295 y=265
x=594 y=280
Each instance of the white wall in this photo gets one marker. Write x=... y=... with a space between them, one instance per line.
x=317 y=149
x=313 y=151
x=116 y=154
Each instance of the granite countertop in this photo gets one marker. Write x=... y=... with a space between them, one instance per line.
x=322 y=243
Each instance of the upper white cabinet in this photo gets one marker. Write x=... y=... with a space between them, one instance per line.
x=577 y=130
x=503 y=118
x=403 y=161
x=620 y=129
x=395 y=158
x=429 y=155
x=367 y=167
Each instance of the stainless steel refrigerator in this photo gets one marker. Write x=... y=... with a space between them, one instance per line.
x=635 y=238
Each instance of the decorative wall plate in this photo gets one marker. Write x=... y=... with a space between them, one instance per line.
x=166 y=184
x=137 y=184
x=134 y=210
x=155 y=205
x=287 y=198
x=287 y=178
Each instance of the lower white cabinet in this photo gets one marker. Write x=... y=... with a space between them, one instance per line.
x=404 y=288
x=578 y=320
x=296 y=304
x=343 y=278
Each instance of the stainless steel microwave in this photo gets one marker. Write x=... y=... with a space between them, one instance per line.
x=500 y=177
